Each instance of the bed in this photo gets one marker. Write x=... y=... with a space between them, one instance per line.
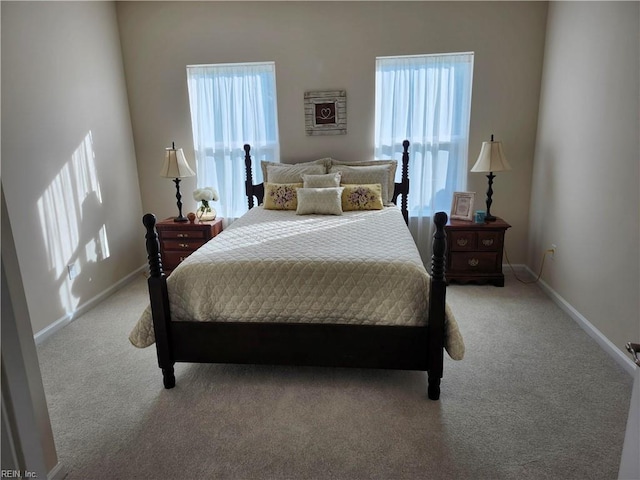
x=312 y=289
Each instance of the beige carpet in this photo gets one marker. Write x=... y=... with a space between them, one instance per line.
x=534 y=397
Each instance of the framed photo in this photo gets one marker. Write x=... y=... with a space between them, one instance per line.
x=462 y=206
x=325 y=112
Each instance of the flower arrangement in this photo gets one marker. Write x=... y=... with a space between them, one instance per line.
x=204 y=196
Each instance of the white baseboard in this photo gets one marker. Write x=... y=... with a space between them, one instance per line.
x=57 y=473
x=606 y=344
x=518 y=267
x=46 y=332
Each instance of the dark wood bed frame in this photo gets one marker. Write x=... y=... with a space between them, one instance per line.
x=360 y=346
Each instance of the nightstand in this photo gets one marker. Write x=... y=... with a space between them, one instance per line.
x=474 y=251
x=178 y=240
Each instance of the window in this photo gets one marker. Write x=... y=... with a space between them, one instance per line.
x=426 y=99
x=231 y=105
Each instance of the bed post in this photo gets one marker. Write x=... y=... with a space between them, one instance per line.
x=437 y=301
x=405 y=181
x=248 y=183
x=159 y=300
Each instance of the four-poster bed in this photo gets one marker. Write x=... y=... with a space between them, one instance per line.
x=314 y=326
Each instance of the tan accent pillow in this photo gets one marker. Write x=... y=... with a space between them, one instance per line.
x=392 y=165
x=321 y=201
x=281 y=196
x=323 y=162
x=322 y=181
x=366 y=175
x=362 y=197
x=291 y=173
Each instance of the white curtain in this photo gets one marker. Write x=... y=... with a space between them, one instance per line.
x=425 y=99
x=232 y=105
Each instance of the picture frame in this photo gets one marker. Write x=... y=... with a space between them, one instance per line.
x=462 y=206
x=325 y=112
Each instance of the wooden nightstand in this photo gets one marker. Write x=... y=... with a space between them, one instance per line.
x=178 y=240
x=474 y=251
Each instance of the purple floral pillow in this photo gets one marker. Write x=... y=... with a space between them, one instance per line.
x=281 y=196
x=362 y=197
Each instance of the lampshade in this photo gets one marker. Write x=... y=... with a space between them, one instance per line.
x=175 y=164
x=491 y=158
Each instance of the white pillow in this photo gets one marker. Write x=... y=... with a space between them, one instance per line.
x=264 y=165
x=322 y=201
x=291 y=173
x=365 y=175
x=322 y=181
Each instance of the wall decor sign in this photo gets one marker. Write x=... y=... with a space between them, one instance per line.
x=325 y=112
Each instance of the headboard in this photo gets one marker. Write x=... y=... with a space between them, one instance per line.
x=401 y=188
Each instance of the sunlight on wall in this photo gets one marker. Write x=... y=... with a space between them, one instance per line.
x=70 y=211
x=97 y=248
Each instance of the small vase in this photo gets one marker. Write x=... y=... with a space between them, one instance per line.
x=206 y=216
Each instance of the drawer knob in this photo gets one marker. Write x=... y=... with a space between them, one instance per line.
x=473 y=262
x=182 y=259
x=488 y=242
x=462 y=242
x=183 y=245
x=183 y=235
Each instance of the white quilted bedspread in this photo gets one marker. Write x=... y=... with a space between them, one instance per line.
x=275 y=266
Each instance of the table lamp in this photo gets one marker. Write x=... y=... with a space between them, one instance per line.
x=491 y=159
x=176 y=167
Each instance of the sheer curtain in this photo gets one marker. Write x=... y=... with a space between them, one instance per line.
x=232 y=104
x=426 y=99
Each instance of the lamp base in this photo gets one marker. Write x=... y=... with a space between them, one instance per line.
x=488 y=217
x=180 y=217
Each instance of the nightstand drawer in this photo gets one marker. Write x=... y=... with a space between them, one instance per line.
x=484 y=262
x=182 y=244
x=463 y=241
x=171 y=260
x=185 y=234
x=490 y=241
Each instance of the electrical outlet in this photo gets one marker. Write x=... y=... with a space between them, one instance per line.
x=553 y=249
x=73 y=273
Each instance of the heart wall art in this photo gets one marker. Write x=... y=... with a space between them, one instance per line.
x=325 y=112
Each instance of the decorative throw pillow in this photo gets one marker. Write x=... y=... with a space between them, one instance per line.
x=292 y=173
x=322 y=181
x=392 y=165
x=322 y=201
x=323 y=163
x=367 y=175
x=362 y=197
x=281 y=196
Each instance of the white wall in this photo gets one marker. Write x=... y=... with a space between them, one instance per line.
x=69 y=169
x=585 y=193
x=333 y=45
